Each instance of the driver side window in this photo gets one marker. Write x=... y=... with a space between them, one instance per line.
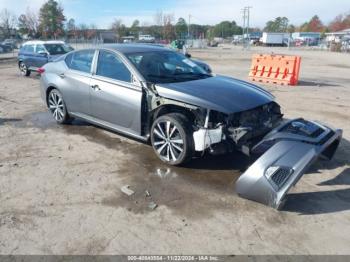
x=111 y=66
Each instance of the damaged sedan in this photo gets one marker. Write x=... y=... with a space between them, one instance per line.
x=155 y=94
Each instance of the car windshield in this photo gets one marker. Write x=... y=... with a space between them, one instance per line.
x=58 y=49
x=166 y=67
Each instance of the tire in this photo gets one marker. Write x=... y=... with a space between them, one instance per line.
x=172 y=139
x=57 y=107
x=24 y=69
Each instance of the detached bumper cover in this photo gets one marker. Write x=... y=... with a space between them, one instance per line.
x=288 y=151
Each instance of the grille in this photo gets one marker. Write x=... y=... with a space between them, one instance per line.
x=280 y=177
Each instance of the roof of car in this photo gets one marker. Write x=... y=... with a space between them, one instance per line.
x=39 y=42
x=135 y=48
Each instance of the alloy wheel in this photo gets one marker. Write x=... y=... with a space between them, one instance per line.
x=23 y=69
x=168 y=141
x=56 y=106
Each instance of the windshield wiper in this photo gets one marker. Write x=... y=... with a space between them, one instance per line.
x=191 y=74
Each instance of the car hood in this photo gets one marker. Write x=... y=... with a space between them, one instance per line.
x=220 y=93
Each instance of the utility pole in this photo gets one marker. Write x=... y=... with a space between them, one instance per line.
x=246 y=24
x=188 y=26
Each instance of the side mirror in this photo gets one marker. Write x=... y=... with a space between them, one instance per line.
x=188 y=55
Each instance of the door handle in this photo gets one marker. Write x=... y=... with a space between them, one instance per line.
x=62 y=75
x=95 y=87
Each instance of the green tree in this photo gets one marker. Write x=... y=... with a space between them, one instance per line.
x=181 y=28
x=51 y=19
x=291 y=29
x=226 y=29
x=135 y=27
x=280 y=24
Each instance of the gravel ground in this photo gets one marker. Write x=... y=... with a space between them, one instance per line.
x=60 y=186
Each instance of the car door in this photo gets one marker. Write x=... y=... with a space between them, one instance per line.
x=28 y=55
x=41 y=56
x=75 y=81
x=114 y=98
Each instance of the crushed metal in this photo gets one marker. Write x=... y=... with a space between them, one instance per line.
x=126 y=190
x=152 y=205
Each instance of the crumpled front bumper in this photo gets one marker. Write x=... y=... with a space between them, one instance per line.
x=287 y=152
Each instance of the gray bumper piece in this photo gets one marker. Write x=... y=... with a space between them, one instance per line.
x=288 y=152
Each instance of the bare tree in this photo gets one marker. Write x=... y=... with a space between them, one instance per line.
x=83 y=28
x=158 y=18
x=164 y=23
x=117 y=23
x=168 y=27
x=119 y=28
x=32 y=21
x=8 y=22
x=28 y=23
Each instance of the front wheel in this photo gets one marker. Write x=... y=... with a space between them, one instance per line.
x=58 y=107
x=172 y=139
x=24 y=69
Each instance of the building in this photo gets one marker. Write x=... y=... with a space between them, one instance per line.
x=338 y=36
x=306 y=38
x=306 y=35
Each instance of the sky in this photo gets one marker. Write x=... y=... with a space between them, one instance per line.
x=103 y=12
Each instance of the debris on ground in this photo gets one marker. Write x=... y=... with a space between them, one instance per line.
x=148 y=194
x=152 y=205
x=126 y=190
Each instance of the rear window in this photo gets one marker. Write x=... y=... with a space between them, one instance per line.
x=28 y=48
x=58 y=49
x=80 y=60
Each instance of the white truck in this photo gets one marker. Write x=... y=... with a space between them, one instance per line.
x=146 y=39
x=274 y=39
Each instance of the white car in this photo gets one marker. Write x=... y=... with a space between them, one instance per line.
x=146 y=38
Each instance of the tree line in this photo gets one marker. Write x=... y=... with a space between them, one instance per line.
x=281 y=24
x=51 y=23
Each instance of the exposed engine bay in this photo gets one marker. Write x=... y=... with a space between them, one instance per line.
x=240 y=131
x=286 y=148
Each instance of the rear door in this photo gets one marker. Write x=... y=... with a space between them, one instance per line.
x=115 y=99
x=76 y=81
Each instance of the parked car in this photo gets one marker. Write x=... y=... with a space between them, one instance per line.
x=12 y=43
x=6 y=48
x=156 y=94
x=34 y=54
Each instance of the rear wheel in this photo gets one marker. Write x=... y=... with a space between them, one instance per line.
x=57 y=107
x=172 y=139
x=24 y=69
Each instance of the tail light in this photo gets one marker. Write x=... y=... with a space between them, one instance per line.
x=41 y=70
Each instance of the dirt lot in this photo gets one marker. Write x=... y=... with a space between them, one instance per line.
x=60 y=185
